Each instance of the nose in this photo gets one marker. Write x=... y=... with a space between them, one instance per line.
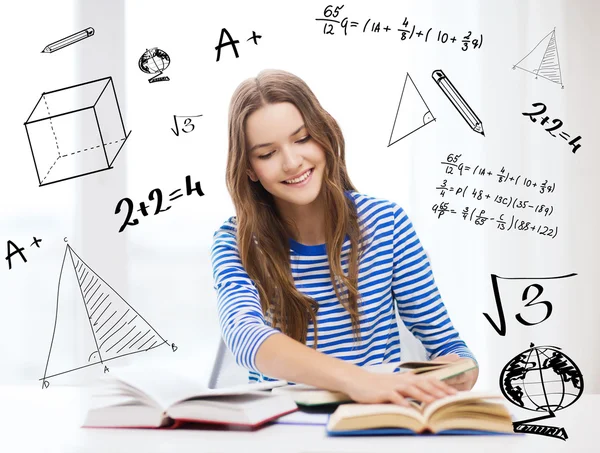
x=292 y=159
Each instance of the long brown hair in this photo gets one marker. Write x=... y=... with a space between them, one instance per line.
x=262 y=234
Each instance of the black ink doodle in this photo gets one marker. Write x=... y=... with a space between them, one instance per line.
x=557 y=125
x=69 y=40
x=188 y=125
x=331 y=17
x=452 y=163
x=59 y=152
x=155 y=61
x=18 y=250
x=232 y=42
x=458 y=101
x=155 y=193
x=543 y=60
x=501 y=329
x=412 y=114
x=116 y=329
x=541 y=379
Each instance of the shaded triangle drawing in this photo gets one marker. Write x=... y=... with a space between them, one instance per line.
x=543 y=60
x=93 y=323
x=412 y=114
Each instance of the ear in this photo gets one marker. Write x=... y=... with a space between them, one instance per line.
x=252 y=175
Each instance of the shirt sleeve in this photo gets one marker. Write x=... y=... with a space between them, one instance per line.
x=419 y=302
x=241 y=319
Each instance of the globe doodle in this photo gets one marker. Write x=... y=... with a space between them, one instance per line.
x=154 y=61
x=541 y=379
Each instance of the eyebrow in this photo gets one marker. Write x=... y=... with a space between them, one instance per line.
x=261 y=145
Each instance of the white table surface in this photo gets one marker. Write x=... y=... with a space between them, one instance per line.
x=36 y=420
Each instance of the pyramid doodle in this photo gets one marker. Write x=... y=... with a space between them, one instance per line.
x=412 y=113
x=93 y=323
x=543 y=60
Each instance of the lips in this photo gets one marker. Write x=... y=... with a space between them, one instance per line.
x=305 y=174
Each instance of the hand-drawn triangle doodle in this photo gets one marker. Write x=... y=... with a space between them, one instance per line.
x=93 y=323
x=412 y=114
x=543 y=60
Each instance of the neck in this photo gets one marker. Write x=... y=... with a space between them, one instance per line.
x=309 y=220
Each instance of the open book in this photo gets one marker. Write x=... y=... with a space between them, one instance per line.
x=463 y=413
x=138 y=398
x=306 y=395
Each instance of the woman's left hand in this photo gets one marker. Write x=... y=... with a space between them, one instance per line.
x=464 y=381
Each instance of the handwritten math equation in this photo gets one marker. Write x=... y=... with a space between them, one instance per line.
x=186 y=123
x=536 y=291
x=155 y=196
x=453 y=164
x=508 y=201
x=332 y=19
x=557 y=124
x=470 y=214
x=13 y=249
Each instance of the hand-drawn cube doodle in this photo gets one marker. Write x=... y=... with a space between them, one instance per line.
x=76 y=131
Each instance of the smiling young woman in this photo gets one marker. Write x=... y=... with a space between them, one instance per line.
x=308 y=271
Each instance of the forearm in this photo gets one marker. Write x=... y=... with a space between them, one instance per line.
x=281 y=357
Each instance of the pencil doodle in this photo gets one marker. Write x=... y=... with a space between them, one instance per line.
x=76 y=131
x=458 y=101
x=537 y=287
x=155 y=61
x=69 y=40
x=18 y=250
x=412 y=114
x=107 y=326
x=543 y=60
x=541 y=379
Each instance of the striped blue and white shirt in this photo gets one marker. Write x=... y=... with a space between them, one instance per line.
x=394 y=267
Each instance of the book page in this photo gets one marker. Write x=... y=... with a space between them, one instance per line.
x=430 y=408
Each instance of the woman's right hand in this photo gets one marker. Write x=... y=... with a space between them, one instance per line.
x=368 y=387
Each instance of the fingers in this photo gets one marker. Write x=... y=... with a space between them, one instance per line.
x=396 y=398
x=426 y=389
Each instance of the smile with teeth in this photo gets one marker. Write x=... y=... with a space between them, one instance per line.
x=300 y=178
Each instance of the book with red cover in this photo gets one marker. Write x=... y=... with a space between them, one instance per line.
x=142 y=398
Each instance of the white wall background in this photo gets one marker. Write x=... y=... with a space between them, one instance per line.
x=162 y=265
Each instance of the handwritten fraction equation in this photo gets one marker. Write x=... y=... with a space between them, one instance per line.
x=332 y=19
x=16 y=250
x=514 y=223
x=557 y=124
x=452 y=163
x=156 y=196
x=509 y=202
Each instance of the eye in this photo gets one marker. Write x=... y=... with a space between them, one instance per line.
x=266 y=156
x=304 y=139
